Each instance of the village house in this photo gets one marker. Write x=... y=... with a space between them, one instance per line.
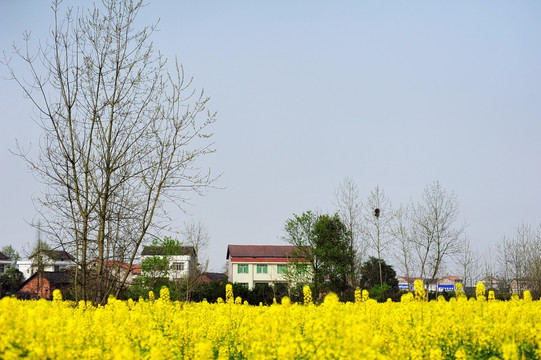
x=518 y=286
x=42 y=284
x=490 y=282
x=182 y=260
x=118 y=270
x=207 y=277
x=251 y=265
x=52 y=261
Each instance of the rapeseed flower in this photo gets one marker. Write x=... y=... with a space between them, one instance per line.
x=334 y=330
x=480 y=291
x=420 y=294
x=357 y=295
x=229 y=297
x=307 y=294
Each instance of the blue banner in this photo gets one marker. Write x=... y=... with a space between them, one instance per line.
x=446 y=288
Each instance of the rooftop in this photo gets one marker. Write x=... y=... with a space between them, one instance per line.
x=261 y=251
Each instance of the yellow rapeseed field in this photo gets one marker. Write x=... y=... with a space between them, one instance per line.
x=164 y=329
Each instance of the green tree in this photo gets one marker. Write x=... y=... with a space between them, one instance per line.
x=335 y=252
x=322 y=242
x=300 y=233
x=10 y=281
x=11 y=253
x=371 y=278
x=155 y=269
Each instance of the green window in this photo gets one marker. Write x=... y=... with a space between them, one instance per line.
x=302 y=269
x=242 y=268
x=261 y=268
x=282 y=269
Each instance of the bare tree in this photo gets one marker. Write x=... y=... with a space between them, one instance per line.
x=435 y=235
x=534 y=261
x=400 y=232
x=377 y=218
x=195 y=234
x=519 y=258
x=489 y=273
x=349 y=204
x=121 y=136
x=469 y=263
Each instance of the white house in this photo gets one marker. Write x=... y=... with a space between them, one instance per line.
x=182 y=260
x=250 y=265
x=53 y=261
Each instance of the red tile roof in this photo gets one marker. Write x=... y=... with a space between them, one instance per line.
x=261 y=251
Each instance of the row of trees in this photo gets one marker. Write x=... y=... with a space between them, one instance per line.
x=424 y=238
x=518 y=260
x=420 y=237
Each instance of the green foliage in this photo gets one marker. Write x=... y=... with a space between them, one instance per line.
x=155 y=269
x=370 y=280
x=324 y=242
x=370 y=274
x=10 y=252
x=380 y=292
x=11 y=280
x=333 y=249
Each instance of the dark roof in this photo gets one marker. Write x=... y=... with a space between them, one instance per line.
x=4 y=256
x=174 y=250
x=58 y=277
x=54 y=278
x=261 y=251
x=215 y=276
x=57 y=255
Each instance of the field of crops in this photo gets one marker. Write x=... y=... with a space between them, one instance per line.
x=162 y=329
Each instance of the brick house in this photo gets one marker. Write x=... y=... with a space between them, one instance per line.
x=42 y=285
x=207 y=277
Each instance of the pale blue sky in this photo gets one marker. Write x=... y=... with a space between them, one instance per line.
x=390 y=93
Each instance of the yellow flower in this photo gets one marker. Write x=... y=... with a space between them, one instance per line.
x=480 y=291
x=307 y=293
x=57 y=295
x=420 y=294
x=164 y=294
x=203 y=350
x=229 y=297
x=365 y=295
x=357 y=295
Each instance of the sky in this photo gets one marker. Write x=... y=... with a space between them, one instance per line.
x=393 y=94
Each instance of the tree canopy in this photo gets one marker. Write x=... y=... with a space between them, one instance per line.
x=370 y=274
x=325 y=243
